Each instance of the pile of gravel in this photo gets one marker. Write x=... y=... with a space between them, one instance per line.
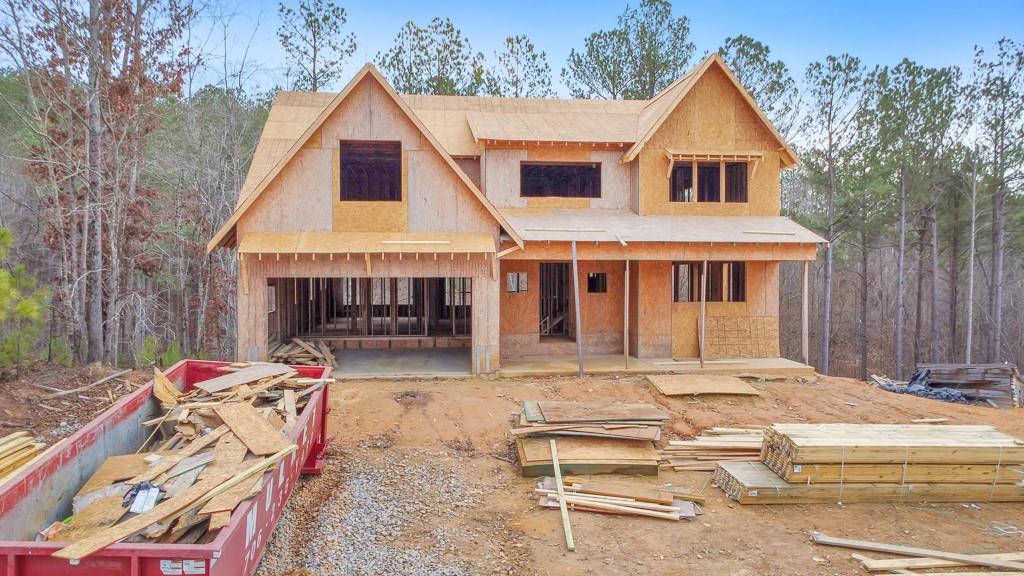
x=353 y=521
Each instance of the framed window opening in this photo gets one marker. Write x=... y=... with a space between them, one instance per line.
x=516 y=282
x=560 y=180
x=696 y=181
x=597 y=282
x=370 y=171
x=726 y=282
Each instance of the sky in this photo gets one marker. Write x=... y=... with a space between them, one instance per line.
x=934 y=33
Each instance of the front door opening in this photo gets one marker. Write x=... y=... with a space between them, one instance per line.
x=554 y=300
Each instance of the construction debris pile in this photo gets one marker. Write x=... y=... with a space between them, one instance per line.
x=619 y=498
x=996 y=385
x=16 y=450
x=826 y=463
x=304 y=353
x=593 y=438
x=212 y=447
x=711 y=446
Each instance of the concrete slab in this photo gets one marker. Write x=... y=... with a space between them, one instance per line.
x=402 y=362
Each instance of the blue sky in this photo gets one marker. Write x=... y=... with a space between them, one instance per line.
x=934 y=33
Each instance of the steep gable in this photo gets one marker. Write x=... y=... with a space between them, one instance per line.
x=298 y=192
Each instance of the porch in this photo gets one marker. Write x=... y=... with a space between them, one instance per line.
x=557 y=365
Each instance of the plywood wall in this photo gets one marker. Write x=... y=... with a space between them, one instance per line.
x=654 y=309
x=712 y=117
x=601 y=313
x=306 y=195
x=501 y=176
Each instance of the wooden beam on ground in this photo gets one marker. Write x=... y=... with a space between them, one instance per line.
x=569 y=542
x=974 y=560
x=576 y=294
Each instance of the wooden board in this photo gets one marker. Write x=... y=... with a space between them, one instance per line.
x=227 y=501
x=98 y=515
x=115 y=469
x=555 y=411
x=893 y=564
x=244 y=376
x=258 y=434
x=696 y=384
x=820 y=538
x=592 y=449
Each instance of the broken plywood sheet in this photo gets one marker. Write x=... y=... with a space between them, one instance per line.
x=116 y=469
x=98 y=515
x=555 y=411
x=696 y=384
x=244 y=376
x=255 y=431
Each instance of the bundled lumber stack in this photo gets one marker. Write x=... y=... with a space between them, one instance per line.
x=711 y=446
x=304 y=353
x=593 y=438
x=211 y=448
x=819 y=463
x=998 y=385
x=618 y=498
x=16 y=450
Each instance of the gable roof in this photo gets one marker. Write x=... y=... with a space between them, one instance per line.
x=267 y=170
x=659 y=108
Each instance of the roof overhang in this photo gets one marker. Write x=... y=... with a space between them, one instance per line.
x=332 y=244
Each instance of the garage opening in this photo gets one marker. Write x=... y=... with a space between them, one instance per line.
x=372 y=312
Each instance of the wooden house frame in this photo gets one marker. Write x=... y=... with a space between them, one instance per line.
x=518 y=228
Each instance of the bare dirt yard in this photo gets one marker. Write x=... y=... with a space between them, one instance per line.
x=421 y=481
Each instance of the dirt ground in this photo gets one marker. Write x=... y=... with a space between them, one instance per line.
x=29 y=402
x=462 y=426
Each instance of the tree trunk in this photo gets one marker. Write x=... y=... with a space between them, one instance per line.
x=901 y=274
x=969 y=329
x=94 y=131
x=933 y=229
x=919 y=301
x=954 y=280
x=862 y=332
x=826 y=312
x=996 y=287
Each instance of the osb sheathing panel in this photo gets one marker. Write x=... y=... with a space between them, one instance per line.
x=658 y=251
x=654 y=314
x=252 y=304
x=745 y=338
x=502 y=182
x=471 y=166
x=601 y=313
x=306 y=194
x=714 y=116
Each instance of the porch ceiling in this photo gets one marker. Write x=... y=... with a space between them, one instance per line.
x=365 y=243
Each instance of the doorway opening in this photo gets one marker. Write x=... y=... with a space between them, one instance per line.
x=554 y=300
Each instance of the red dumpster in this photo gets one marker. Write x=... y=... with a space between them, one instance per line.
x=41 y=493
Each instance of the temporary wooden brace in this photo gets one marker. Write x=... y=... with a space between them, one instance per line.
x=820 y=538
x=569 y=542
x=625 y=317
x=804 y=346
x=703 y=306
x=576 y=293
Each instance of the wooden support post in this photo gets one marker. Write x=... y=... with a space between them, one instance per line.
x=569 y=542
x=369 y=269
x=804 y=340
x=576 y=294
x=703 y=307
x=625 y=316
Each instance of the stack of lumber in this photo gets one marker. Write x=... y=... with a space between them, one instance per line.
x=618 y=498
x=593 y=438
x=16 y=450
x=304 y=352
x=996 y=384
x=210 y=450
x=819 y=463
x=711 y=446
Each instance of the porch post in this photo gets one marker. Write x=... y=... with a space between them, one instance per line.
x=625 y=316
x=804 y=348
x=576 y=293
x=703 y=306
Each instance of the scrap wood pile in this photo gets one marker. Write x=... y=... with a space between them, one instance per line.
x=618 y=498
x=16 y=450
x=711 y=446
x=914 y=559
x=593 y=438
x=214 y=444
x=824 y=463
x=998 y=385
x=304 y=352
